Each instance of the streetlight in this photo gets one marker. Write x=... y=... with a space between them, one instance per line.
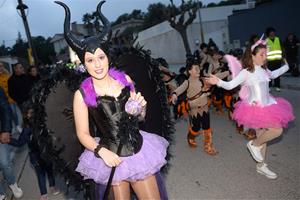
x=22 y=7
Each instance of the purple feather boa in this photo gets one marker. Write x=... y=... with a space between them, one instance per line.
x=90 y=96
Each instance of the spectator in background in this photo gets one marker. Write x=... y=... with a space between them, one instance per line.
x=6 y=165
x=4 y=76
x=33 y=75
x=291 y=49
x=212 y=45
x=19 y=85
x=274 y=55
x=41 y=167
x=204 y=57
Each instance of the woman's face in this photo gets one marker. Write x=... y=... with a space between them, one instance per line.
x=33 y=72
x=260 y=57
x=194 y=71
x=96 y=64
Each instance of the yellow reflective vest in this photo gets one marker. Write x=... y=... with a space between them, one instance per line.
x=274 y=49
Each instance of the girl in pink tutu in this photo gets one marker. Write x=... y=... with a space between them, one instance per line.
x=119 y=152
x=258 y=109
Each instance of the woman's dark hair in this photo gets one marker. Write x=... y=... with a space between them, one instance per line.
x=31 y=67
x=203 y=45
x=212 y=52
x=162 y=62
x=269 y=30
x=190 y=62
x=247 y=61
x=253 y=38
x=182 y=70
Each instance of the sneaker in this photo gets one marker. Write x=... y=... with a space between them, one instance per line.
x=264 y=170
x=44 y=197
x=18 y=193
x=277 y=89
x=54 y=190
x=255 y=151
x=2 y=197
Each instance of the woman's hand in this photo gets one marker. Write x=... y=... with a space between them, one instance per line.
x=110 y=158
x=139 y=98
x=174 y=98
x=212 y=79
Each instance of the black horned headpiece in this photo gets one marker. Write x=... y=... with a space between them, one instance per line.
x=89 y=44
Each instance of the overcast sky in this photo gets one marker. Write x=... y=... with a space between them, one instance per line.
x=45 y=18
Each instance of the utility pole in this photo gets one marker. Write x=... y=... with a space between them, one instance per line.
x=200 y=22
x=31 y=50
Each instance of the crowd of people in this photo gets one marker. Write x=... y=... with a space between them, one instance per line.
x=120 y=155
x=16 y=129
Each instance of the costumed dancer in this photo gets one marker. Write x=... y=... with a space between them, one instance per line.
x=236 y=94
x=216 y=68
x=181 y=105
x=258 y=109
x=197 y=96
x=108 y=96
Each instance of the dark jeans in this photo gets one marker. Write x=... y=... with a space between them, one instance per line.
x=273 y=65
x=41 y=170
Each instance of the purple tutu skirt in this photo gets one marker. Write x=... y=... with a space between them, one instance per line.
x=146 y=162
x=272 y=116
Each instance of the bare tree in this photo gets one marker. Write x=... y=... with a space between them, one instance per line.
x=181 y=23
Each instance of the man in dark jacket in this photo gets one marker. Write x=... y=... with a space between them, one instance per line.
x=6 y=165
x=19 y=85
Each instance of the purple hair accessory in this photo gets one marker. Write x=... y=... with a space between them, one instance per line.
x=258 y=42
x=133 y=107
x=80 y=68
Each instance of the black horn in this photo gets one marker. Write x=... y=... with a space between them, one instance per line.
x=104 y=21
x=74 y=43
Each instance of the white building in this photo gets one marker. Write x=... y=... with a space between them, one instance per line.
x=164 y=41
x=8 y=62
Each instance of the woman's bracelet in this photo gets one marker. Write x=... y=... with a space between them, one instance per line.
x=97 y=149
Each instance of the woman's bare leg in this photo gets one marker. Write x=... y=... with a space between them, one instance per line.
x=268 y=135
x=146 y=188
x=259 y=132
x=122 y=191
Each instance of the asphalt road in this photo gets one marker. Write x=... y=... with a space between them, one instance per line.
x=229 y=175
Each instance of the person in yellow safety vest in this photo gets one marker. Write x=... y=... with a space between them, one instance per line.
x=274 y=55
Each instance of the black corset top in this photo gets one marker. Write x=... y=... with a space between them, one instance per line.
x=115 y=125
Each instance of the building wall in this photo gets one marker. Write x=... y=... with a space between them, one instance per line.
x=8 y=62
x=164 y=41
x=59 y=45
x=283 y=15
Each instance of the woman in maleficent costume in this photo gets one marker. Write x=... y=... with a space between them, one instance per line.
x=120 y=154
x=107 y=113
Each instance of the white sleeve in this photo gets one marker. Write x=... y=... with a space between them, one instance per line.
x=276 y=73
x=240 y=78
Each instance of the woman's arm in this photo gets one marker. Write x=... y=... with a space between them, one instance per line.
x=276 y=73
x=241 y=77
x=180 y=89
x=23 y=138
x=81 y=122
x=80 y=111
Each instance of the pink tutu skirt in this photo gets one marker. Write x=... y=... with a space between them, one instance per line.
x=146 y=162
x=272 y=116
